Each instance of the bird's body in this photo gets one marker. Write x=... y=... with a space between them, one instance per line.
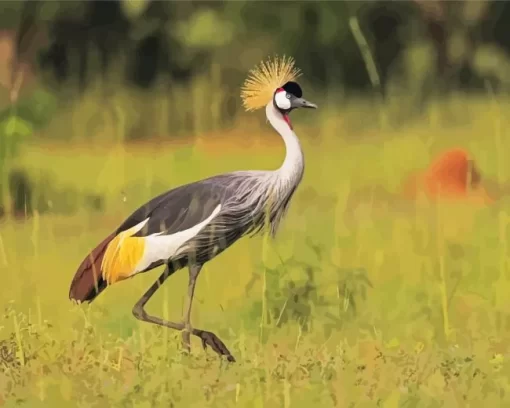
x=191 y=224
x=198 y=220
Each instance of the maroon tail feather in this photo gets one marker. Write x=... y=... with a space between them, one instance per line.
x=88 y=282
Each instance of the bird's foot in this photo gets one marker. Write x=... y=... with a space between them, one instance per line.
x=211 y=340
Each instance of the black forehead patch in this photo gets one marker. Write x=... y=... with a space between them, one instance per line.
x=293 y=88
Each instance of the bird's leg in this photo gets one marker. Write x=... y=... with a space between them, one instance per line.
x=208 y=338
x=194 y=271
x=139 y=308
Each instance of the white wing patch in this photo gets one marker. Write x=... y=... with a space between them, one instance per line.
x=162 y=247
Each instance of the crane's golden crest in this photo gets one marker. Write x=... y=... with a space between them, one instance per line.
x=264 y=79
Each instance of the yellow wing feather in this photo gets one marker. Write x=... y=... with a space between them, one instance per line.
x=122 y=255
x=264 y=79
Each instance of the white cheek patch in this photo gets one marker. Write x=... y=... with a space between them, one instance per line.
x=282 y=101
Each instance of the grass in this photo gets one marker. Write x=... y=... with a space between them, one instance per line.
x=355 y=304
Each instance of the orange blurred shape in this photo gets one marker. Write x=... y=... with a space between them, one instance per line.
x=453 y=175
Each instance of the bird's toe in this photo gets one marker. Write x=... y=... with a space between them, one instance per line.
x=213 y=341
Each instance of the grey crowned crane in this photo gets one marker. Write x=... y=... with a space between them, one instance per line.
x=191 y=224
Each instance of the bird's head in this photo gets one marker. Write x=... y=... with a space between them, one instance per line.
x=289 y=97
x=274 y=81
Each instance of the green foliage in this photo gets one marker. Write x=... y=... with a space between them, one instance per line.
x=492 y=63
x=11 y=11
x=13 y=132
x=230 y=37
x=205 y=29
x=48 y=10
x=198 y=34
x=292 y=300
x=288 y=300
x=55 y=198
x=17 y=126
x=38 y=108
x=134 y=8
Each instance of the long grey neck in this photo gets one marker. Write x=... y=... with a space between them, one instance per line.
x=292 y=168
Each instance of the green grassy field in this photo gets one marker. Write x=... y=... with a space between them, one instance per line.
x=359 y=302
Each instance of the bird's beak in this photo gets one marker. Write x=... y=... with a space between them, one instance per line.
x=303 y=103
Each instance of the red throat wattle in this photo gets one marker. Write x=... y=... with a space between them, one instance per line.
x=287 y=119
x=285 y=116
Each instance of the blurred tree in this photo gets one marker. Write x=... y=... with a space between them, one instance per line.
x=386 y=24
x=462 y=60
x=173 y=45
x=76 y=29
x=26 y=34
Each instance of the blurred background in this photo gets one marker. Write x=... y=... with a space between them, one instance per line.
x=105 y=104
x=90 y=73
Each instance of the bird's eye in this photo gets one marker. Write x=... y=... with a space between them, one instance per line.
x=288 y=96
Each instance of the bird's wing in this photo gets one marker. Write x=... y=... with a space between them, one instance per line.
x=242 y=213
x=148 y=237
x=164 y=224
x=198 y=220
x=177 y=210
